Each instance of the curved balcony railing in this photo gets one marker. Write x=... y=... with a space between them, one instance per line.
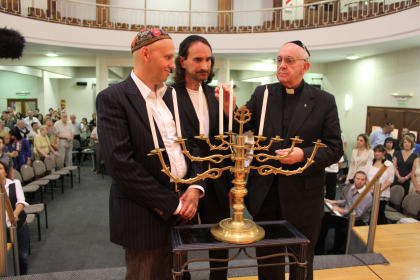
x=309 y=15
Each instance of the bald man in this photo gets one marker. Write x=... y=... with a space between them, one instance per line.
x=143 y=201
x=294 y=108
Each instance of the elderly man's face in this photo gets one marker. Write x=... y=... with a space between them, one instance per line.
x=21 y=124
x=161 y=60
x=293 y=66
x=64 y=117
x=30 y=114
x=389 y=128
x=6 y=138
x=73 y=118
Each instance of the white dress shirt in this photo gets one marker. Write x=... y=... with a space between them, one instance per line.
x=20 y=197
x=194 y=96
x=167 y=129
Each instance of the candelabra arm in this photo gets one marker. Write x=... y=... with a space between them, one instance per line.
x=216 y=158
x=212 y=173
x=268 y=169
x=224 y=145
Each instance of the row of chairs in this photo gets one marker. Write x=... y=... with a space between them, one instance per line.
x=402 y=206
x=38 y=178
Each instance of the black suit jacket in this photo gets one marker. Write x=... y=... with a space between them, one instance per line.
x=315 y=117
x=190 y=128
x=142 y=200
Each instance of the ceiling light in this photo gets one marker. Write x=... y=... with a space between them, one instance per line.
x=50 y=54
x=353 y=57
x=268 y=61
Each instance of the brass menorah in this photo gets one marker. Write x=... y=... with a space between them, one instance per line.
x=237 y=230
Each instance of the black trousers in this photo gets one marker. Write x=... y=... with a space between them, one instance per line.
x=330 y=185
x=271 y=211
x=381 y=213
x=212 y=211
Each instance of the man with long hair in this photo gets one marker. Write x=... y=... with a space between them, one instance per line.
x=194 y=68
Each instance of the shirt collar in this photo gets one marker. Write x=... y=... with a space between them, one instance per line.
x=145 y=90
x=359 y=190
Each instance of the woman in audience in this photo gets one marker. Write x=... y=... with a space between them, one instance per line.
x=3 y=128
x=18 y=116
x=22 y=146
x=360 y=156
x=40 y=117
x=384 y=181
x=42 y=145
x=415 y=177
x=14 y=191
x=403 y=163
x=84 y=131
x=51 y=133
x=389 y=147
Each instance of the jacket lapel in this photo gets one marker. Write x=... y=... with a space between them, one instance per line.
x=187 y=111
x=302 y=111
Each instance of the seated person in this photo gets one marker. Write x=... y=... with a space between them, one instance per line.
x=339 y=223
x=42 y=146
x=15 y=193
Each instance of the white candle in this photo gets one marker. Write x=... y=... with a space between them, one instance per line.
x=201 y=110
x=231 y=106
x=264 y=108
x=152 y=126
x=221 y=109
x=177 y=122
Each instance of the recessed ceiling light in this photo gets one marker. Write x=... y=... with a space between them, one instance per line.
x=353 y=57
x=268 y=61
x=50 y=54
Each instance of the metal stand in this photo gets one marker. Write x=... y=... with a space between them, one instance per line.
x=278 y=233
x=352 y=218
x=373 y=218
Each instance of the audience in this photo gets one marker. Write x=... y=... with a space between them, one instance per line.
x=22 y=129
x=384 y=182
x=359 y=157
x=33 y=132
x=65 y=138
x=3 y=127
x=22 y=146
x=415 y=177
x=340 y=223
x=15 y=193
x=6 y=159
x=42 y=146
x=30 y=119
x=416 y=146
x=92 y=122
x=84 y=132
x=51 y=133
x=76 y=127
x=389 y=147
x=403 y=163
x=378 y=136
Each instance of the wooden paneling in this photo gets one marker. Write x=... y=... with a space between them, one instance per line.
x=400 y=117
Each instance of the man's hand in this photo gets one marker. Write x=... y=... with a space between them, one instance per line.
x=189 y=203
x=226 y=94
x=295 y=156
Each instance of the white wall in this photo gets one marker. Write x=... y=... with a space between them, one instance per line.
x=370 y=82
x=50 y=94
x=79 y=99
x=251 y=18
x=10 y=83
x=127 y=15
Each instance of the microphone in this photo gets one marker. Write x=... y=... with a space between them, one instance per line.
x=11 y=43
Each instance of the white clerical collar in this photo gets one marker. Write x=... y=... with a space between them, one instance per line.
x=290 y=90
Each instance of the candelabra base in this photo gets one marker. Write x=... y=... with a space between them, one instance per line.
x=243 y=232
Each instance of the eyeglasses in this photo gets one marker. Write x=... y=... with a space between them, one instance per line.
x=289 y=60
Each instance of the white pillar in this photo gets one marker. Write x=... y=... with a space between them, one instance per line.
x=101 y=74
x=223 y=75
x=101 y=78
